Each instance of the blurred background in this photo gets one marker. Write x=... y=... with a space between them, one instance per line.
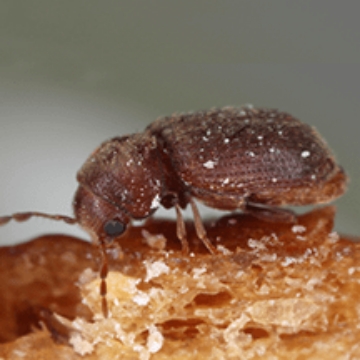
x=73 y=74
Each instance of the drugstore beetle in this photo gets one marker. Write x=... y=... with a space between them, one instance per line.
x=247 y=158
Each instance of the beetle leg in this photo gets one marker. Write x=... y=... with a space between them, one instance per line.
x=59 y=331
x=199 y=228
x=270 y=213
x=181 y=231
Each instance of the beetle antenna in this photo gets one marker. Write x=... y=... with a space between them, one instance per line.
x=103 y=275
x=24 y=216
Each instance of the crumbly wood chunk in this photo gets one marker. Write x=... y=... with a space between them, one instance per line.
x=273 y=291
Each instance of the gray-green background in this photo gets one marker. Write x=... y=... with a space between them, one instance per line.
x=74 y=73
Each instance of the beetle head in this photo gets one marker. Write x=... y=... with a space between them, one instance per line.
x=120 y=181
x=98 y=217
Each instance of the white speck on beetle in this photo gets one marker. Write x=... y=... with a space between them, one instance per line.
x=274 y=180
x=272 y=150
x=209 y=164
x=226 y=181
x=250 y=153
x=296 y=229
x=305 y=154
x=226 y=141
x=155 y=202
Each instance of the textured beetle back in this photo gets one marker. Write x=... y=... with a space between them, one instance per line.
x=245 y=151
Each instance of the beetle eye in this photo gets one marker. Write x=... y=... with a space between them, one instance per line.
x=114 y=228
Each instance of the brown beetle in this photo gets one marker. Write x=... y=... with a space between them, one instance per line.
x=243 y=158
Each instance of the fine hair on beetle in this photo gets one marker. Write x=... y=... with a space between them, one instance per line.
x=255 y=160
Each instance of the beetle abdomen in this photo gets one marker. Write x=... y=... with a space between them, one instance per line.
x=237 y=152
